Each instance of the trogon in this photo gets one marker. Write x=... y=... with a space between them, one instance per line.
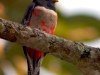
x=40 y=14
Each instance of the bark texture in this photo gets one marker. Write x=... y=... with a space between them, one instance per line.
x=86 y=58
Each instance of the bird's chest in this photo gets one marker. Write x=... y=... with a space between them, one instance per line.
x=43 y=19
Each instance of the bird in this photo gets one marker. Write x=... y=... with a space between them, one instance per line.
x=40 y=14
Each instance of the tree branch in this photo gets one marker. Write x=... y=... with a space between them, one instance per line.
x=86 y=58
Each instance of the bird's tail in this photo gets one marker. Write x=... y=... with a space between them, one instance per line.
x=34 y=60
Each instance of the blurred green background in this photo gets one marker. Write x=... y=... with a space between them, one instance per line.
x=77 y=28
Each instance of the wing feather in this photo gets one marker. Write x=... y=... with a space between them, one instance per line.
x=28 y=14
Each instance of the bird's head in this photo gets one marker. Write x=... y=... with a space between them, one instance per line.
x=55 y=0
x=46 y=0
x=52 y=0
x=50 y=4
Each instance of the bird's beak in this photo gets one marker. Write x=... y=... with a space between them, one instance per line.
x=55 y=0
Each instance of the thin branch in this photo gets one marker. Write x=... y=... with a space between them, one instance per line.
x=86 y=58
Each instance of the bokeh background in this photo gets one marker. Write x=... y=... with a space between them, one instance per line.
x=79 y=20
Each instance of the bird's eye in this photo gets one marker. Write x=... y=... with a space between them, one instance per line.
x=48 y=4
